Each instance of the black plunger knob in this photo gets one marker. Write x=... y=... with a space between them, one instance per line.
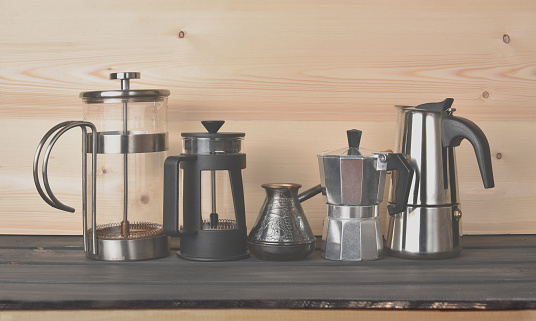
x=213 y=125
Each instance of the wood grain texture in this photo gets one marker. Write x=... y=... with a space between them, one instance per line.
x=292 y=75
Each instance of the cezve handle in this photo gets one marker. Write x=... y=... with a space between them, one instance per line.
x=399 y=163
x=171 y=194
x=455 y=129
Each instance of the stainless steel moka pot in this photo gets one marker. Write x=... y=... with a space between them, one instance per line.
x=353 y=181
x=430 y=227
x=124 y=137
x=212 y=195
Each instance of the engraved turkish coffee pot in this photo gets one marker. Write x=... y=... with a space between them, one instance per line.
x=281 y=231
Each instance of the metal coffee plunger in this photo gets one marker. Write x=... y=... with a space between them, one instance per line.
x=127 y=145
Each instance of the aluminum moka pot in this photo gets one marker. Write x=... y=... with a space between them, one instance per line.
x=353 y=181
x=430 y=227
x=212 y=195
x=125 y=139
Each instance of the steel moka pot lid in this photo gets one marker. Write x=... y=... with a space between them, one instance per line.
x=125 y=92
x=352 y=176
x=353 y=150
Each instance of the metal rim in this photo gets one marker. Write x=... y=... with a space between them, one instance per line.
x=281 y=185
x=131 y=250
x=113 y=142
x=124 y=94
x=216 y=136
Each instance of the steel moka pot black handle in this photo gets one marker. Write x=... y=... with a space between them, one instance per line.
x=171 y=195
x=397 y=162
x=454 y=129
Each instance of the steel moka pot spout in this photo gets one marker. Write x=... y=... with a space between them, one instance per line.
x=427 y=134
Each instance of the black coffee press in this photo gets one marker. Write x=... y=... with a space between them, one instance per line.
x=213 y=214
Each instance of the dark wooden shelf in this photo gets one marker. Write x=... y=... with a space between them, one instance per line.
x=51 y=272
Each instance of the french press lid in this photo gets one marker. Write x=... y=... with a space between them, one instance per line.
x=212 y=142
x=97 y=97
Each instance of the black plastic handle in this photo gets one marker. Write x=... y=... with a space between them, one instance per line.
x=171 y=194
x=455 y=129
x=397 y=162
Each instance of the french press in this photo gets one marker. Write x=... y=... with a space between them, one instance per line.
x=213 y=213
x=126 y=145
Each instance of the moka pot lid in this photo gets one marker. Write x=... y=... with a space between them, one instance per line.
x=353 y=150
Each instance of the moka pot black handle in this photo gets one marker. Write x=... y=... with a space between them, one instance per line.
x=171 y=195
x=455 y=129
x=398 y=162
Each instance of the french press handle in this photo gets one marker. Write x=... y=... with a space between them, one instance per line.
x=51 y=199
x=397 y=162
x=60 y=129
x=171 y=195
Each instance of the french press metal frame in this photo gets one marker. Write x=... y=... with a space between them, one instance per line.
x=152 y=243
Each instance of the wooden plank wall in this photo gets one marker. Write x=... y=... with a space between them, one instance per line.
x=292 y=75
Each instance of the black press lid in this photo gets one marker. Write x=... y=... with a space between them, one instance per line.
x=212 y=127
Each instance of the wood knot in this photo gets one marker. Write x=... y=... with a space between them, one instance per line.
x=144 y=199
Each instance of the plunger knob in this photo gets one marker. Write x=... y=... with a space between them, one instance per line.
x=213 y=125
x=125 y=78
